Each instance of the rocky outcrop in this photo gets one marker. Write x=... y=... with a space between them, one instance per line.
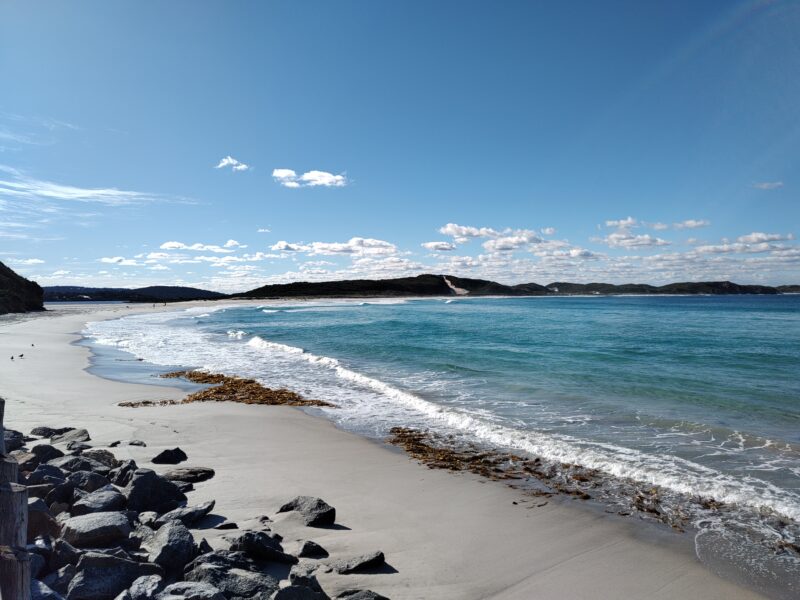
x=18 y=294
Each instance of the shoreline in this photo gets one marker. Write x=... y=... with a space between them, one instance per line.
x=448 y=536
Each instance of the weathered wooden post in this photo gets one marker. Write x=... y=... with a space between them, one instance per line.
x=15 y=578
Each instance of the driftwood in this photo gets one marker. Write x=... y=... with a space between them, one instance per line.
x=15 y=574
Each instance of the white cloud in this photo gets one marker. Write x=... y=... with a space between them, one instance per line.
x=622 y=223
x=119 y=260
x=197 y=247
x=28 y=261
x=768 y=185
x=289 y=178
x=513 y=242
x=438 y=246
x=284 y=246
x=263 y=230
x=231 y=162
x=159 y=268
x=625 y=239
x=463 y=233
x=234 y=244
x=758 y=237
x=357 y=245
x=659 y=226
x=692 y=224
x=548 y=230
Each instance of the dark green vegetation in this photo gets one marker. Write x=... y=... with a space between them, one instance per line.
x=436 y=285
x=155 y=293
x=17 y=294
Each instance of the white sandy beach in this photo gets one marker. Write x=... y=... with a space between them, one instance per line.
x=447 y=536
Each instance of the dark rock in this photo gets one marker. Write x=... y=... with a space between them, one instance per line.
x=149 y=491
x=78 y=447
x=137 y=443
x=204 y=547
x=79 y=463
x=96 y=529
x=40 y=522
x=88 y=481
x=357 y=564
x=190 y=590
x=27 y=461
x=43 y=471
x=122 y=475
x=102 y=456
x=184 y=486
x=170 y=457
x=59 y=580
x=64 y=554
x=223 y=559
x=189 y=474
x=40 y=591
x=261 y=545
x=14 y=440
x=186 y=515
x=114 y=444
x=46 y=452
x=361 y=595
x=146 y=587
x=37 y=563
x=61 y=492
x=103 y=577
x=296 y=592
x=40 y=491
x=73 y=435
x=148 y=518
x=314 y=511
x=105 y=499
x=309 y=549
x=49 y=431
x=235 y=583
x=304 y=579
x=227 y=525
x=172 y=547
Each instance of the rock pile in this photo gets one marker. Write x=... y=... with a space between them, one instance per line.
x=104 y=529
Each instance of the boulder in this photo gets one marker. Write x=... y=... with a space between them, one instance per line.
x=103 y=577
x=40 y=522
x=296 y=592
x=309 y=549
x=14 y=440
x=101 y=529
x=146 y=587
x=305 y=579
x=149 y=491
x=37 y=564
x=46 y=452
x=137 y=443
x=234 y=582
x=361 y=595
x=27 y=461
x=102 y=456
x=189 y=474
x=172 y=547
x=226 y=525
x=40 y=491
x=88 y=481
x=186 y=515
x=61 y=493
x=149 y=518
x=58 y=581
x=170 y=457
x=261 y=545
x=40 y=591
x=358 y=564
x=49 y=431
x=105 y=499
x=75 y=447
x=190 y=590
x=79 y=463
x=63 y=554
x=122 y=475
x=72 y=435
x=184 y=486
x=315 y=512
x=114 y=444
x=46 y=474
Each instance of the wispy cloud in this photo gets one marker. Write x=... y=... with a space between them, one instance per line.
x=692 y=224
x=197 y=247
x=768 y=185
x=289 y=178
x=438 y=246
x=758 y=237
x=231 y=162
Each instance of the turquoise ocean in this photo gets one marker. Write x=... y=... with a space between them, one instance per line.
x=698 y=395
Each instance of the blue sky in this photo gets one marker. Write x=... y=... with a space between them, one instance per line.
x=228 y=145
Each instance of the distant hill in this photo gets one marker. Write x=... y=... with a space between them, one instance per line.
x=447 y=285
x=17 y=294
x=788 y=289
x=155 y=293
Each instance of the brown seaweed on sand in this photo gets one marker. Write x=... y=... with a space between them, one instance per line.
x=225 y=388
